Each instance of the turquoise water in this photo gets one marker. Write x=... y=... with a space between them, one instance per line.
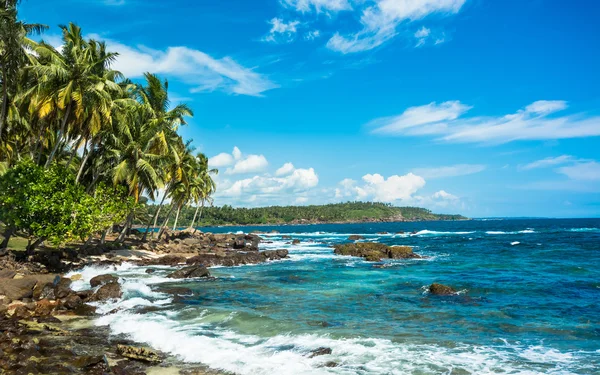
x=529 y=303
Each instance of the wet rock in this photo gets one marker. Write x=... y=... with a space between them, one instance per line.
x=320 y=351
x=7 y=274
x=85 y=361
x=189 y=272
x=84 y=310
x=72 y=301
x=441 y=290
x=382 y=233
x=150 y=270
x=374 y=252
x=167 y=260
x=76 y=277
x=103 y=280
x=16 y=289
x=331 y=364
x=45 y=307
x=140 y=354
x=295 y=242
x=107 y=291
x=44 y=291
x=62 y=288
x=355 y=237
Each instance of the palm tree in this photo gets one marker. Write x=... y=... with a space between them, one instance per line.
x=14 y=44
x=203 y=186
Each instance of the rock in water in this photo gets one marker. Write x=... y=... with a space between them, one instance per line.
x=320 y=351
x=355 y=237
x=374 y=252
x=441 y=290
x=295 y=242
x=189 y=272
x=102 y=280
x=140 y=354
x=107 y=291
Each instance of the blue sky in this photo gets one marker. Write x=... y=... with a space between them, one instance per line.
x=485 y=108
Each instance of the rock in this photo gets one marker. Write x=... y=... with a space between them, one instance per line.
x=72 y=301
x=189 y=272
x=16 y=289
x=320 y=351
x=84 y=310
x=45 y=307
x=441 y=290
x=150 y=270
x=286 y=237
x=103 y=280
x=107 y=291
x=76 y=277
x=140 y=354
x=374 y=252
x=20 y=312
x=331 y=364
x=167 y=260
x=355 y=237
x=42 y=291
x=63 y=288
x=295 y=242
x=7 y=274
x=382 y=233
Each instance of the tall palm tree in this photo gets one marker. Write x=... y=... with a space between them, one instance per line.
x=202 y=187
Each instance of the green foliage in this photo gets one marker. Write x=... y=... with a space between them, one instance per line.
x=330 y=213
x=48 y=204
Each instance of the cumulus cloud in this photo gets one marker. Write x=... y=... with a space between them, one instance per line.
x=196 y=68
x=378 y=188
x=318 y=5
x=285 y=169
x=249 y=164
x=224 y=159
x=281 y=32
x=380 y=21
x=312 y=35
x=449 y=171
x=537 y=121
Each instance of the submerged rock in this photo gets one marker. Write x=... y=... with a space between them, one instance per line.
x=140 y=354
x=103 y=279
x=320 y=351
x=374 y=252
x=441 y=290
x=189 y=272
x=355 y=237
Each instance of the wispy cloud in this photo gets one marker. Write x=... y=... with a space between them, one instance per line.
x=318 y=5
x=445 y=121
x=548 y=162
x=587 y=171
x=281 y=31
x=380 y=21
x=449 y=171
x=194 y=67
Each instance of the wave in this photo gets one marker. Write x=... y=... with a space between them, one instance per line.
x=584 y=230
x=289 y=354
x=437 y=233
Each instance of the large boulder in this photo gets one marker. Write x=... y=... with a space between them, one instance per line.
x=107 y=291
x=189 y=272
x=355 y=237
x=441 y=290
x=7 y=274
x=16 y=289
x=374 y=252
x=140 y=354
x=63 y=288
x=103 y=279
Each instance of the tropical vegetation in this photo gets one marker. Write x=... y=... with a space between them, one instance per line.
x=82 y=147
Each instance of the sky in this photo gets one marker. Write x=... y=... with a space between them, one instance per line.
x=479 y=107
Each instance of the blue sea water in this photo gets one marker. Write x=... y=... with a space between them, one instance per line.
x=528 y=302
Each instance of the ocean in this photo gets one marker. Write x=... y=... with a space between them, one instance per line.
x=528 y=302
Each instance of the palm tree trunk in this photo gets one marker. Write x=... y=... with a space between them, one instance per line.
x=176 y=218
x=125 y=227
x=32 y=246
x=74 y=152
x=155 y=220
x=85 y=158
x=196 y=214
x=162 y=228
x=4 y=101
x=59 y=136
x=7 y=235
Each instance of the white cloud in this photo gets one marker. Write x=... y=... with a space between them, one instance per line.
x=378 y=188
x=449 y=171
x=285 y=169
x=224 y=159
x=423 y=32
x=318 y=5
x=380 y=21
x=588 y=171
x=532 y=123
x=312 y=35
x=548 y=162
x=443 y=195
x=249 y=164
x=196 y=68
x=237 y=154
x=281 y=31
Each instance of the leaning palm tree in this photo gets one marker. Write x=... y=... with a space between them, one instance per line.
x=202 y=187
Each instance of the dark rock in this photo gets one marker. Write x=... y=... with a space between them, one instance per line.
x=63 y=288
x=355 y=237
x=86 y=361
x=103 y=279
x=167 y=260
x=189 y=272
x=84 y=310
x=107 y=291
x=331 y=364
x=150 y=270
x=320 y=351
x=441 y=290
x=140 y=354
x=45 y=307
x=374 y=252
x=72 y=302
x=16 y=289
x=295 y=242
x=7 y=274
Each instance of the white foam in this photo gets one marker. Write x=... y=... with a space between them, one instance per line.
x=434 y=233
x=515 y=243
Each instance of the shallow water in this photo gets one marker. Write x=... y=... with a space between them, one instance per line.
x=529 y=303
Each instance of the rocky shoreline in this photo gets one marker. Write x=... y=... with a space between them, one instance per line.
x=46 y=327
